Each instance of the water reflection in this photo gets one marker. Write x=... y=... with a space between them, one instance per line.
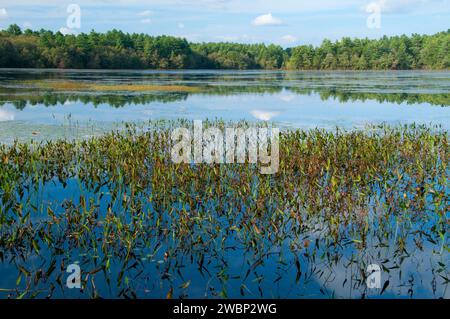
x=30 y=110
x=21 y=98
x=6 y=116
x=411 y=87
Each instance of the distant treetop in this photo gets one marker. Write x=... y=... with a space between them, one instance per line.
x=118 y=50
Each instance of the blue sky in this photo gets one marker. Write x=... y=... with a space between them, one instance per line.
x=284 y=22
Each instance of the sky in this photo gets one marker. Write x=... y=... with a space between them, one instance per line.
x=284 y=22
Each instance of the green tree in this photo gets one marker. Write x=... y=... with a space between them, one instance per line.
x=14 y=29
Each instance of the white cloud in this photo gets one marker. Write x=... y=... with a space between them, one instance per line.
x=181 y=25
x=288 y=38
x=145 y=13
x=264 y=115
x=266 y=19
x=3 y=13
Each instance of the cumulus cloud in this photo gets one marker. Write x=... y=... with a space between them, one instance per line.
x=266 y=19
x=145 y=16
x=3 y=13
x=264 y=115
x=288 y=38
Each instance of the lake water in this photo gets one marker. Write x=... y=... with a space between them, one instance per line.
x=291 y=99
x=321 y=269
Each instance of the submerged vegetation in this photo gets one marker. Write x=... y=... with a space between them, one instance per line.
x=118 y=50
x=142 y=226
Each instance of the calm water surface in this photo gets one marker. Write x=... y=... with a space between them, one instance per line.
x=291 y=99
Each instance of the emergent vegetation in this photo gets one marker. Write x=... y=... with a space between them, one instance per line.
x=340 y=199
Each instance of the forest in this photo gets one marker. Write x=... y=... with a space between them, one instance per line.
x=118 y=50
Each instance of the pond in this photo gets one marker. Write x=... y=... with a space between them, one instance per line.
x=35 y=104
x=140 y=226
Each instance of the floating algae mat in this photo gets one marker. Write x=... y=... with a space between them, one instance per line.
x=140 y=226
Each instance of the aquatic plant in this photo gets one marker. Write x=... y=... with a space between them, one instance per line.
x=140 y=225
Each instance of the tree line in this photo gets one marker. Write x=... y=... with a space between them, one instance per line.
x=118 y=50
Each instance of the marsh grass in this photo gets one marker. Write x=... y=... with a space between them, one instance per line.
x=339 y=198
